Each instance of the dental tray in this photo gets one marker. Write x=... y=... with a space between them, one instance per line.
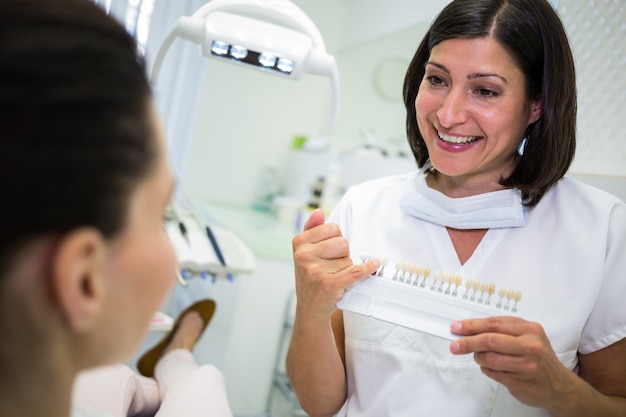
x=408 y=295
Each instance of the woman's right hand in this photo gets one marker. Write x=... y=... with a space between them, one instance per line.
x=323 y=267
x=323 y=270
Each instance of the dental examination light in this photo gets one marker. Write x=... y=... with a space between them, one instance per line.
x=274 y=36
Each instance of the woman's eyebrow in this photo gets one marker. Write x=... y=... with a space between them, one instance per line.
x=486 y=74
x=472 y=76
x=441 y=67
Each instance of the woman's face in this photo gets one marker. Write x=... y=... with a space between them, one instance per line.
x=140 y=263
x=473 y=112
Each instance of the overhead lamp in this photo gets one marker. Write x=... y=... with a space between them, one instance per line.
x=274 y=36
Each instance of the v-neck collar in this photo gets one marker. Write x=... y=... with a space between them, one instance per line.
x=446 y=255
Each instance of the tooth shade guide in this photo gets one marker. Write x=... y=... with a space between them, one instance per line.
x=417 y=300
x=446 y=283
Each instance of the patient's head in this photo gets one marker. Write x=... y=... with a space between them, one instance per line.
x=84 y=261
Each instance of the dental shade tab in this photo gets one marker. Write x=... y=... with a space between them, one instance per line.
x=206 y=250
x=409 y=296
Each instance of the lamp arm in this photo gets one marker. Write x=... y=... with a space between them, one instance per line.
x=282 y=11
x=185 y=27
x=323 y=64
x=334 y=111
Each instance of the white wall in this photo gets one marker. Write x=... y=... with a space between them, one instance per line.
x=370 y=20
x=363 y=109
x=597 y=31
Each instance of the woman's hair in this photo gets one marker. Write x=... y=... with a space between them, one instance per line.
x=76 y=134
x=531 y=31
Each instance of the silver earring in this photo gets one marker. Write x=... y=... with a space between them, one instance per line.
x=522 y=146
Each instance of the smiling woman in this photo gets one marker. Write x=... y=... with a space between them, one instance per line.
x=491 y=121
x=547 y=136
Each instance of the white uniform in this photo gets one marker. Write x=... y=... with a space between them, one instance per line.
x=569 y=261
x=180 y=388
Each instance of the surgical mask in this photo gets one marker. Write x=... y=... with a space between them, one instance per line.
x=496 y=209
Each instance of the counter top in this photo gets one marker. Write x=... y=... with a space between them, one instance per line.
x=263 y=232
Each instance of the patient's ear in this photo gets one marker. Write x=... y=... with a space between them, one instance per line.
x=77 y=276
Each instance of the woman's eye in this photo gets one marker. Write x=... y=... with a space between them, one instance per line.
x=485 y=92
x=434 y=80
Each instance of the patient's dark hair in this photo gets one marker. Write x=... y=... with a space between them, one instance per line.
x=531 y=31
x=76 y=135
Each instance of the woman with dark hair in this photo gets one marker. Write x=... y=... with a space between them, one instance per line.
x=491 y=120
x=84 y=260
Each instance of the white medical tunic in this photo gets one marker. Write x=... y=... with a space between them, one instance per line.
x=569 y=262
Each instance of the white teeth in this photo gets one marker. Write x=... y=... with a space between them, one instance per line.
x=456 y=139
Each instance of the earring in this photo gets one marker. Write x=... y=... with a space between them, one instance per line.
x=522 y=146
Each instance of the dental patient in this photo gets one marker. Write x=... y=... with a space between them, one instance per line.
x=84 y=260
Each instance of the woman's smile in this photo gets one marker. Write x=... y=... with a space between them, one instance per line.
x=457 y=139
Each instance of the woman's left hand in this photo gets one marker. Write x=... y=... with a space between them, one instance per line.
x=517 y=354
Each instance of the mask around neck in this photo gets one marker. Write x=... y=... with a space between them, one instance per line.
x=496 y=209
